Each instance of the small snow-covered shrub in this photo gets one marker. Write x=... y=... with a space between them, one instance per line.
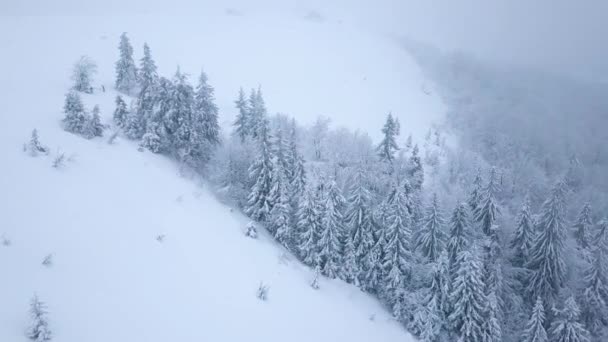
x=161 y=238
x=251 y=231
x=315 y=280
x=48 y=260
x=5 y=241
x=34 y=147
x=262 y=292
x=59 y=160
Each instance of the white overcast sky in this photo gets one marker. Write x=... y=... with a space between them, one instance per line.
x=568 y=36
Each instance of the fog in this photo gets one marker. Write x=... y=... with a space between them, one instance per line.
x=562 y=36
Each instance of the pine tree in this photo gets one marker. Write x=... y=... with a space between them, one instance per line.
x=351 y=267
x=459 y=233
x=331 y=234
x=431 y=240
x=546 y=263
x=280 y=223
x=259 y=202
x=524 y=235
x=566 y=327
x=397 y=261
x=126 y=71
x=309 y=226
x=146 y=99
x=205 y=106
x=39 y=331
x=438 y=296
x=148 y=76
x=475 y=196
x=535 y=329
x=242 y=122
x=257 y=113
x=595 y=293
x=388 y=147
x=487 y=209
x=296 y=172
x=415 y=171
x=94 y=127
x=76 y=118
x=582 y=225
x=467 y=298
x=358 y=219
x=120 y=113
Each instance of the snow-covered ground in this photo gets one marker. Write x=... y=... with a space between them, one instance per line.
x=99 y=215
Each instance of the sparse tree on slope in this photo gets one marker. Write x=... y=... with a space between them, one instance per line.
x=467 y=299
x=39 y=331
x=388 y=146
x=94 y=127
x=546 y=263
x=431 y=240
x=126 y=71
x=524 y=235
x=76 y=118
x=535 y=329
x=566 y=327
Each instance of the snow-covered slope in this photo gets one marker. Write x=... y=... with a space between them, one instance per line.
x=100 y=214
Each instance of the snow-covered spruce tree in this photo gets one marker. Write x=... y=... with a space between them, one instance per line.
x=467 y=298
x=582 y=226
x=308 y=228
x=535 y=328
x=296 y=173
x=438 y=296
x=94 y=127
x=491 y=328
x=242 y=122
x=204 y=104
x=259 y=203
x=146 y=98
x=121 y=112
x=524 y=235
x=358 y=219
x=75 y=120
x=39 y=330
x=415 y=171
x=126 y=71
x=487 y=209
x=431 y=239
x=475 y=196
x=148 y=75
x=566 y=327
x=388 y=146
x=34 y=146
x=82 y=74
x=331 y=234
x=546 y=257
x=257 y=112
x=595 y=294
x=350 y=271
x=280 y=223
x=460 y=233
x=397 y=261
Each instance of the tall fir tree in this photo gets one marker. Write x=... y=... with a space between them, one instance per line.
x=487 y=210
x=595 y=294
x=431 y=239
x=208 y=111
x=546 y=257
x=331 y=235
x=242 y=122
x=126 y=71
x=39 y=330
x=459 y=235
x=388 y=146
x=398 y=259
x=491 y=327
x=415 y=170
x=146 y=98
x=566 y=327
x=280 y=222
x=582 y=225
x=94 y=127
x=438 y=296
x=535 y=328
x=467 y=298
x=524 y=235
x=475 y=196
x=257 y=112
x=308 y=228
x=358 y=219
x=259 y=202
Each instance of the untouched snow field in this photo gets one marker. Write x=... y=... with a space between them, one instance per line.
x=99 y=215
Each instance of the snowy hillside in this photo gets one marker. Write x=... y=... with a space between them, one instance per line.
x=101 y=214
